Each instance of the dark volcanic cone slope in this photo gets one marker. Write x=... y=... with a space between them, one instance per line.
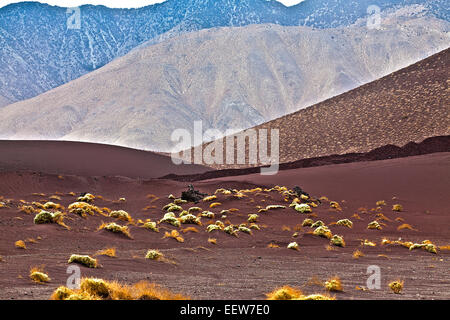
x=409 y=105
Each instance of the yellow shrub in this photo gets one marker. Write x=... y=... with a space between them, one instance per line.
x=84 y=260
x=334 y=284
x=37 y=274
x=396 y=286
x=20 y=244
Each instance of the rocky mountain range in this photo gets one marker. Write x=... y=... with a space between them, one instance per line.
x=226 y=77
x=39 y=51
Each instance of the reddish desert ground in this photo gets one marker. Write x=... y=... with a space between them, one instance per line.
x=242 y=266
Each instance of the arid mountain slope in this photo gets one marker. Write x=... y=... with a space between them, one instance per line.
x=409 y=105
x=227 y=78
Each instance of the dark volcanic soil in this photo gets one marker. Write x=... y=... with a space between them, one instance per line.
x=241 y=267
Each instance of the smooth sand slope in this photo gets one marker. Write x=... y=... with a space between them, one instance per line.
x=241 y=267
x=87 y=159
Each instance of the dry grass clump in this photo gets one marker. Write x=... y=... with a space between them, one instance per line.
x=51 y=205
x=209 y=198
x=335 y=205
x=230 y=230
x=27 y=209
x=396 y=286
x=275 y=207
x=381 y=203
x=293 y=246
x=253 y=218
x=345 y=222
x=98 y=289
x=254 y=226
x=213 y=227
x=151 y=226
x=190 y=229
x=374 y=225
x=46 y=217
x=115 y=228
x=190 y=219
x=357 y=254
x=427 y=245
x=307 y=222
x=284 y=293
x=121 y=215
x=83 y=209
x=397 y=208
x=243 y=228
x=20 y=244
x=153 y=255
x=175 y=235
x=317 y=224
x=405 y=226
x=302 y=208
x=86 y=198
x=212 y=240
x=109 y=252
x=368 y=243
x=272 y=245
x=194 y=210
x=208 y=214
x=290 y=293
x=337 y=241
x=215 y=204
x=322 y=231
x=84 y=260
x=170 y=218
x=179 y=201
x=37 y=274
x=334 y=285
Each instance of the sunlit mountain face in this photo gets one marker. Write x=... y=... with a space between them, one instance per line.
x=43 y=47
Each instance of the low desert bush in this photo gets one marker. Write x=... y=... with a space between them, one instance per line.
x=397 y=208
x=374 y=225
x=151 y=226
x=243 y=228
x=83 y=209
x=37 y=274
x=322 y=231
x=20 y=244
x=293 y=246
x=337 y=241
x=153 y=255
x=307 y=222
x=210 y=198
x=334 y=284
x=86 y=198
x=115 y=228
x=396 y=286
x=190 y=219
x=109 y=252
x=345 y=222
x=121 y=215
x=208 y=214
x=302 y=208
x=84 y=260
x=175 y=235
x=253 y=218
x=170 y=218
x=215 y=204
x=357 y=254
